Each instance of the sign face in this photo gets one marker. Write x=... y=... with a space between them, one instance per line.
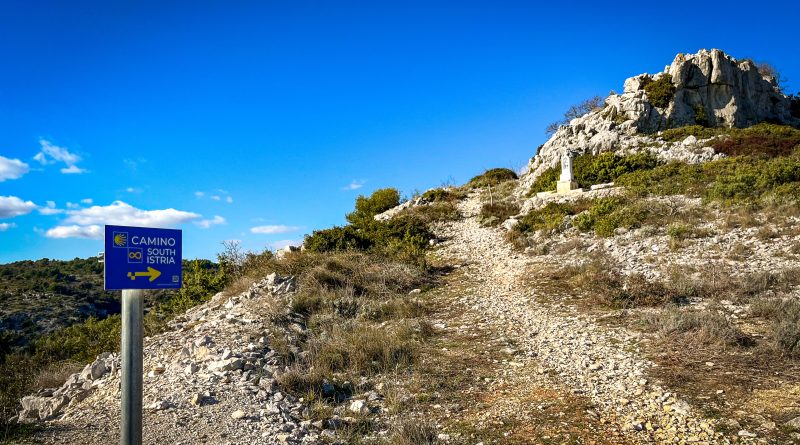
x=142 y=258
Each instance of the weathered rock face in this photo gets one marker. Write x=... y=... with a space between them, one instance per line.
x=711 y=88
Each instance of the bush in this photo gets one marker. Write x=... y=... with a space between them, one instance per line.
x=596 y=169
x=728 y=180
x=546 y=182
x=492 y=177
x=660 y=91
x=549 y=218
x=607 y=214
x=698 y=131
x=700 y=116
x=80 y=342
x=336 y=239
x=440 y=195
x=366 y=208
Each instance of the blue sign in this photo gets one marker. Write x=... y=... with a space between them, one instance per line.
x=142 y=258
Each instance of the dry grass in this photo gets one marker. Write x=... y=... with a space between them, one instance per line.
x=55 y=375
x=361 y=323
x=706 y=328
x=493 y=214
x=414 y=432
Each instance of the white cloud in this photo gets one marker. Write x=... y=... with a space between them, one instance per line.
x=6 y=226
x=216 y=195
x=51 y=154
x=75 y=231
x=271 y=230
x=11 y=206
x=354 y=185
x=277 y=245
x=125 y=214
x=72 y=205
x=132 y=190
x=87 y=201
x=12 y=168
x=206 y=223
x=50 y=209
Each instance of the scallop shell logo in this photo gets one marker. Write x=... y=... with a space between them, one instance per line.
x=121 y=239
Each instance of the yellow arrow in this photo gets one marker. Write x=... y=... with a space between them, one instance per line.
x=152 y=273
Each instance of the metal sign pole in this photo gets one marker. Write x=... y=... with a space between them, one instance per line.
x=132 y=333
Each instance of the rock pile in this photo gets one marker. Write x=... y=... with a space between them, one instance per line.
x=48 y=404
x=212 y=379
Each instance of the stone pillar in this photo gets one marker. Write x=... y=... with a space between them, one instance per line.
x=566 y=183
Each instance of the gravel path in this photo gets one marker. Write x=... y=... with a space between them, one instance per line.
x=600 y=362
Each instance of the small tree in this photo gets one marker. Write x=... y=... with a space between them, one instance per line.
x=769 y=71
x=574 y=111
x=232 y=258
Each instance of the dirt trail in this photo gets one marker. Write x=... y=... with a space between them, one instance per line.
x=598 y=362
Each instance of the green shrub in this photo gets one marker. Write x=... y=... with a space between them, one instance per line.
x=728 y=180
x=366 y=208
x=678 y=231
x=492 y=177
x=80 y=342
x=549 y=218
x=607 y=214
x=336 y=239
x=698 y=131
x=700 y=115
x=596 y=169
x=546 y=182
x=440 y=195
x=660 y=91
x=607 y=167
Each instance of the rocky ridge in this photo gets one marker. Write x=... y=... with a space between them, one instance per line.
x=711 y=87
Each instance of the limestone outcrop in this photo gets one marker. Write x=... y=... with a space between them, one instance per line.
x=710 y=88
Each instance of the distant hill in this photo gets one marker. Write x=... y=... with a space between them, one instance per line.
x=38 y=297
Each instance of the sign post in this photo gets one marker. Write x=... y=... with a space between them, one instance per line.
x=132 y=333
x=138 y=258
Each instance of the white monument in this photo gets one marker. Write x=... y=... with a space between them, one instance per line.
x=566 y=183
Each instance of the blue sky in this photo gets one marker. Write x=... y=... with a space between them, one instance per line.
x=261 y=121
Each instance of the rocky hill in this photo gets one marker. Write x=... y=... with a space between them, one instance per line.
x=710 y=88
x=659 y=302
